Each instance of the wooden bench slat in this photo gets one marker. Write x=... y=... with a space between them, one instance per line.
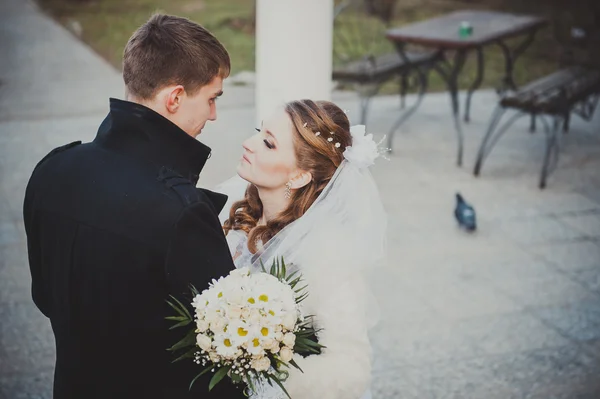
x=556 y=91
x=381 y=67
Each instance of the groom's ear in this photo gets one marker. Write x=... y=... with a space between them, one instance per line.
x=301 y=180
x=173 y=98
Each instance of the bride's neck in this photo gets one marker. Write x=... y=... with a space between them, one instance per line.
x=273 y=202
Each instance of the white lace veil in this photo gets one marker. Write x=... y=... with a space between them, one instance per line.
x=345 y=228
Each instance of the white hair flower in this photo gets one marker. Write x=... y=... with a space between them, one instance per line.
x=364 y=150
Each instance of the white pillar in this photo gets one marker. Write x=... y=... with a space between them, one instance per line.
x=294 y=41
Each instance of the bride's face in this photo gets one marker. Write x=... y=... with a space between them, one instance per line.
x=269 y=159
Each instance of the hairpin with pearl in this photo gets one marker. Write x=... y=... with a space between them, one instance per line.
x=329 y=139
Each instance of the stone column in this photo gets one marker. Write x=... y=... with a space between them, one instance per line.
x=294 y=41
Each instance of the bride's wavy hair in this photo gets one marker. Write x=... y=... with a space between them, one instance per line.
x=315 y=153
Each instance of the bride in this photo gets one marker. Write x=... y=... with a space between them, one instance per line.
x=306 y=194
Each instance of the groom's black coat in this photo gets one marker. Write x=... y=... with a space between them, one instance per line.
x=113 y=227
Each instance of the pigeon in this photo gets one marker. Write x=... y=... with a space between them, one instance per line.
x=465 y=214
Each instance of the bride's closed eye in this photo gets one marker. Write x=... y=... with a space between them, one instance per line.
x=269 y=145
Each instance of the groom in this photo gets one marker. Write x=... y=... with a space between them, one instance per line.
x=117 y=225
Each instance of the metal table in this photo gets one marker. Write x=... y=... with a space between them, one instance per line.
x=489 y=28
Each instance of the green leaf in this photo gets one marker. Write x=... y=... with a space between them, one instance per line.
x=301 y=289
x=269 y=376
x=262 y=266
x=250 y=383
x=283 y=269
x=177 y=309
x=189 y=339
x=289 y=278
x=293 y=363
x=206 y=370
x=187 y=355
x=187 y=313
x=294 y=283
x=180 y=324
x=301 y=298
x=219 y=375
x=176 y=318
x=236 y=378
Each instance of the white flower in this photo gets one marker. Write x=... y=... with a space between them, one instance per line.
x=289 y=339
x=273 y=313
x=219 y=324
x=201 y=325
x=271 y=345
x=225 y=346
x=241 y=272
x=204 y=342
x=240 y=332
x=263 y=332
x=289 y=321
x=254 y=316
x=255 y=348
x=212 y=315
x=363 y=151
x=214 y=357
x=260 y=363
x=245 y=313
x=200 y=302
x=233 y=312
x=286 y=354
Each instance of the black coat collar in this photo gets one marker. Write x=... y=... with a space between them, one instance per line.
x=138 y=131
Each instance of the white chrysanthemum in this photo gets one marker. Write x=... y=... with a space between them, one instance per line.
x=254 y=347
x=241 y=272
x=273 y=313
x=239 y=332
x=225 y=346
x=200 y=302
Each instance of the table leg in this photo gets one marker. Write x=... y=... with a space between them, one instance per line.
x=476 y=83
x=421 y=72
x=450 y=76
x=510 y=57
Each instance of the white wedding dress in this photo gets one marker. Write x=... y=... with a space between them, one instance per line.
x=333 y=245
x=343 y=370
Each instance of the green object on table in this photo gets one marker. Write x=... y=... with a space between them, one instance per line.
x=465 y=30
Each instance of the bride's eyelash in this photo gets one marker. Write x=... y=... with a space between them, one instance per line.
x=269 y=145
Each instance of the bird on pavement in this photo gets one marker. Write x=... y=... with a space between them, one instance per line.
x=465 y=214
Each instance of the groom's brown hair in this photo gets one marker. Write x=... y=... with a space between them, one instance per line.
x=172 y=50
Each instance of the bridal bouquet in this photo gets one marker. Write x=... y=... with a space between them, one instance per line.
x=247 y=327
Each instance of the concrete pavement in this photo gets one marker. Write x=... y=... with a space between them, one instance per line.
x=512 y=311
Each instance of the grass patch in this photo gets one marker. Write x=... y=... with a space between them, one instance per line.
x=108 y=24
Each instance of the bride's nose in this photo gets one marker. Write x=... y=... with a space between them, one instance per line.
x=247 y=146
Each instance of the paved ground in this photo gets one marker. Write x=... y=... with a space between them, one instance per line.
x=510 y=312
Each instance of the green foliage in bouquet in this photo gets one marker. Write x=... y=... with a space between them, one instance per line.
x=239 y=370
